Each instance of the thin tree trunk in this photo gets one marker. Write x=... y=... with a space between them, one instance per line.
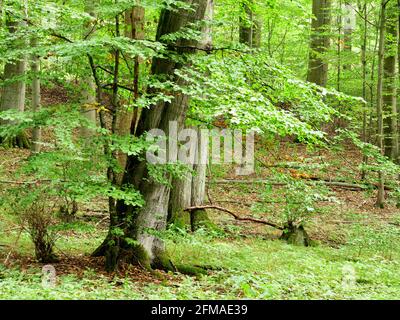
x=390 y=84
x=36 y=97
x=13 y=93
x=364 y=83
x=250 y=27
x=88 y=94
x=320 y=41
x=126 y=117
x=379 y=104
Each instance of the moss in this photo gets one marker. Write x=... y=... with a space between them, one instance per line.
x=296 y=235
x=180 y=219
x=140 y=257
x=162 y=261
x=191 y=270
x=200 y=219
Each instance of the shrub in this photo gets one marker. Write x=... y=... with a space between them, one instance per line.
x=38 y=219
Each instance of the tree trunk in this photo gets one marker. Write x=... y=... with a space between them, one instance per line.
x=250 y=27
x=179 y=200
x=36 y=97
x=320 y=40
x=390 y=84
x=296 y=235
x=379 y=103
x=348 y=30
x=147 y=249
x=190 y=191
x=126 y=117
x=13 y=93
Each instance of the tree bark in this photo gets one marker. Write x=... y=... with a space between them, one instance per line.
x=191 y=189
x=148 y=249
x=390 y=84
x=88 y=94
x=36 y=98
x=320 y=41
x=13 y=93
x=250 y=27
x=379 y=103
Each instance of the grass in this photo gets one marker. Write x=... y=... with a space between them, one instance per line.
x=239 y=268
x=356 y=256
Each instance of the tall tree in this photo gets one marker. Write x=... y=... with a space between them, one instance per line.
x=36 y=96
x=320 y=41
x=379 y=100
x=126 y=116
x=390 y=82
x=88 y=99
x=147 y=248
x=250 y=26
x=190 y=190
x=13 y=91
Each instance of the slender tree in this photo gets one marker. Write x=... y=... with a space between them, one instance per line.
x=36 y=97
x=13 y=91
x=320 y=41
x=390 y=79
x=379 y=100
x=88 y=94
x=250 y=26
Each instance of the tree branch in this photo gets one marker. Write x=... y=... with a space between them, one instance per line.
x=237 y=217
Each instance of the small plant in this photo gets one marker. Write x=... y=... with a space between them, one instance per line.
x=38 y=219
x=296 y=203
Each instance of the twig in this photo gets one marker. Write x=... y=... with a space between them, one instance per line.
x=14 y=245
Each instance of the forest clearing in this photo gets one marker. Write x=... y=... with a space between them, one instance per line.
x=199 y=150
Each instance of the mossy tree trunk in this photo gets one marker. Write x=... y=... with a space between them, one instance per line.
x=295 y=235
x=138 y=244
x=190 y=190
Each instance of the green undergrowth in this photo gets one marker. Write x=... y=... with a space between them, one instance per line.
x=237 y=268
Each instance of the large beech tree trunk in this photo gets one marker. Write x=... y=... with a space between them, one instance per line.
x=13 y=93
x=320 y=40
x=190 y=190
x=147 y=249
x=250 y=27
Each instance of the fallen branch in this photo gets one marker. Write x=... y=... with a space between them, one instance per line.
x=237 y=217
x=339 y=184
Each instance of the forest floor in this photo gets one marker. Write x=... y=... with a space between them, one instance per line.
x=355 y=252
x=351 y=240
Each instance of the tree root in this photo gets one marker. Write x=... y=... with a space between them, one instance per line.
x=296 y=235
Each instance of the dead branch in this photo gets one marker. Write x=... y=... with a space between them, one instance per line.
x=339 y=184
x=237 y=217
